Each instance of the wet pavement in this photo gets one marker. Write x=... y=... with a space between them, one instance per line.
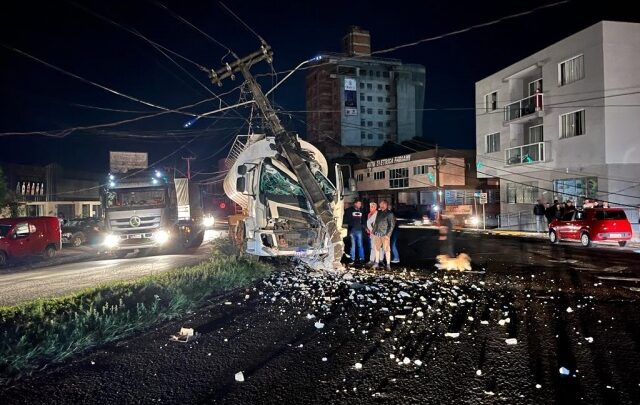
x=531 y=323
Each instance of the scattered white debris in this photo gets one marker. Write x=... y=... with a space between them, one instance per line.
x=319 y=325
x=511 y=341
x=589 y=339
x=420 y=314
x=417 y=363
x=470 y=319
x=227 y=303
x=392 y=356
x=185 y=335
x=358 y=366
x=246 y=297
x=569 y=310
x=239 y=377
x=310 y=316
x=452 y=334
x=538 y=386
x=484 y=322
x=406 y=360
x=490 y=393
x=564 y=371
x=93 y=363
x=478 y=373
x=324 y=359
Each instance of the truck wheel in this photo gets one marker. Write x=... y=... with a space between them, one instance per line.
x=120 y=254
x=3 y=259
x=49 y=252
x=196 y=241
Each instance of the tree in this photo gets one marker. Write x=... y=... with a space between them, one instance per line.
x=4 y=190
x=8 y=200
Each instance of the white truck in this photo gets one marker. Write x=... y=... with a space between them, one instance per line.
x=291 y=207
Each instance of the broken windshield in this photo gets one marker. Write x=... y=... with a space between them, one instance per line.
x=325 y=184
x=274 y=182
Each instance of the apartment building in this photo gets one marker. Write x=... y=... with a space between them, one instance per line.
x=356 y=102
x=564 y=123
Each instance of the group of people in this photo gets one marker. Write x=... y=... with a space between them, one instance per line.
x=375 y=228
x=559 y=210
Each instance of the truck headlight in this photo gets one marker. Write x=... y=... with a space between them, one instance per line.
x=111 y=241
x=474 y=221
x=161 y=237
x=208 y=221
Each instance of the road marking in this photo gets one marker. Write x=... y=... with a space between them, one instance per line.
x=618 y=278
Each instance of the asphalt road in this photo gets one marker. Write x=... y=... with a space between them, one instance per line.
x=508 y=331
x=79 y=268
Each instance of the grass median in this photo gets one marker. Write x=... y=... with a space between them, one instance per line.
x=47 y=331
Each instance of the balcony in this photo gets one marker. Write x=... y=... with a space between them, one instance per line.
x=525 y=154
x=522 y=108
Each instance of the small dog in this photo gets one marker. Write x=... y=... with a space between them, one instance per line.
x=460 y=263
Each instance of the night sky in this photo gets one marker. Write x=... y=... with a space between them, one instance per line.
x=36 y=98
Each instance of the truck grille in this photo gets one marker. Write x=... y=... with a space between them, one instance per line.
x=145 y=223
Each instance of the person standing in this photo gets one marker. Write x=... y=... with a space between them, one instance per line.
x=355 y=220
x=382 y=230
x=371 y=219
x=539 y=211
x=395 y=256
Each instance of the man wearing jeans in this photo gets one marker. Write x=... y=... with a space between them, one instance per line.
x=382 y=230
x=538 y=211
x=355 y=220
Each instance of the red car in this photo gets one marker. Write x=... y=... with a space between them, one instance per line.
x=21 y=237
x=592 y=225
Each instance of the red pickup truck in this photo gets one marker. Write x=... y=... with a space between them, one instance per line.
x=20 y=237
x=592 y=225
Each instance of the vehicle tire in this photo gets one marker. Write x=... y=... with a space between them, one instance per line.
x=77 y=240
x=553 y=237
x=49 y=252
x=621 y=243
x=3 y=259
x=196 y=241
x=585 y=239
x=120 y=254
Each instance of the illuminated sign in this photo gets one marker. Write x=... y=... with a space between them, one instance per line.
x=389 y=161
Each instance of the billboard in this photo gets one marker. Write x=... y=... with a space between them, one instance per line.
x=121 y=162
x=350 y=93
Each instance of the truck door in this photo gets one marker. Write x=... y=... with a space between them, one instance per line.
x=20 y=240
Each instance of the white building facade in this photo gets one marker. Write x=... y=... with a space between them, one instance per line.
x=564 y=124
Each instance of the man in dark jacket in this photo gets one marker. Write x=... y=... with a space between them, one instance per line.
x=382 y=230
x=355 y=219
x=538 y=211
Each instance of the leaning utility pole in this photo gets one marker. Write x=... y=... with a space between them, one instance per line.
x=438 y=191
x=286 y=143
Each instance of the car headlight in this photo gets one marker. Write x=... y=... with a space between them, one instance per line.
x=208 y=221
x=111 y=241
x=474 y=221
x=161 y=237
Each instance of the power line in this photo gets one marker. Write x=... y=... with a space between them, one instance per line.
x=243 y=23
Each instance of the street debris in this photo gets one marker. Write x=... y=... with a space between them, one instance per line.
x=511 y=341
x=564 y=371
x=239 y=376
x=185 y=335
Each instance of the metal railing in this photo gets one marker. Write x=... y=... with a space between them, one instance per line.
x=524 y=107
x=525 y=154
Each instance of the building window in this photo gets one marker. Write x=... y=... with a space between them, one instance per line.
x=379 y=175
x=370 y=136
x=369 y=123
x=371 y=73
x=362 y=123
x=369 y=110
x=571 y=71
x=572 y=124
x=575 y=189
x=522 y=193
x=388 y=124
x=379 y=87
x=417 y=170
x=369 y=86
x=385 y=74
x=377 y=73
x=491 y=102
x=492 y=143
x=361 y=96
x=380 y=99
x=399 y=178
x=362 y=85
x=380 y=136
x=535 y=85
x=380 y=124
x=360 y=176
x=362 y=110
x=388 y=99
x=379 y=111
x=388 y=112
x=363 y=135
x=387 y=87
x=535 y=135
x=369 y=98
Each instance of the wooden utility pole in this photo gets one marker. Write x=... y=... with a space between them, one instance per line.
x=189 y=159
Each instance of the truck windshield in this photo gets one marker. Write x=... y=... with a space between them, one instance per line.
x=128 y=198
x=327 y=188
x=4 y=230
x=274 y=182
